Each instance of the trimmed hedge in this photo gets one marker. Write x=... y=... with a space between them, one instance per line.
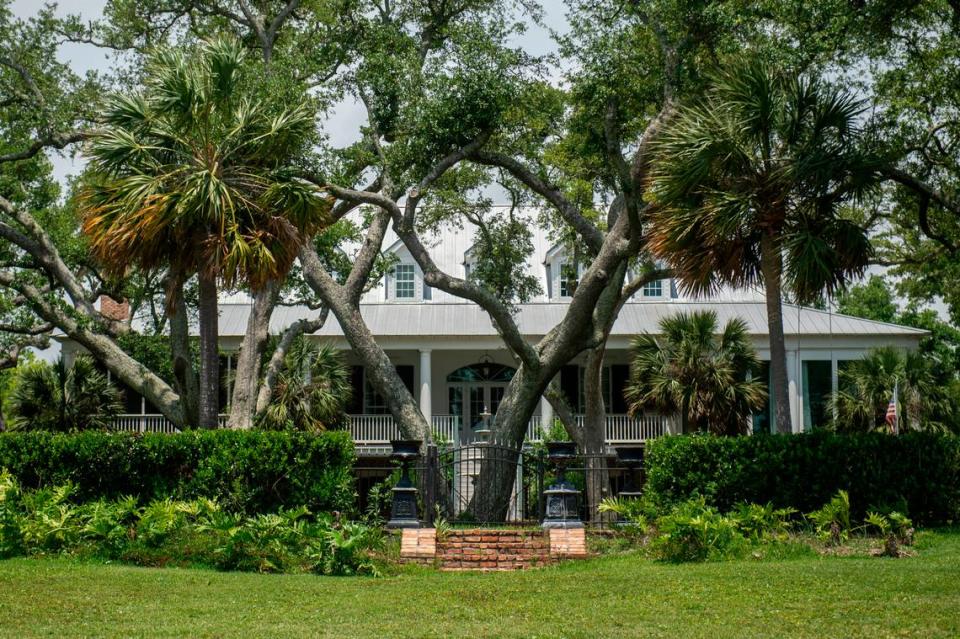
x=245 y=471
x=918 y=470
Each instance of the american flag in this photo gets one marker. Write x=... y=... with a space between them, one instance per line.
x=892 y=411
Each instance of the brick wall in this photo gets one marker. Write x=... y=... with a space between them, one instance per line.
x=492 y=549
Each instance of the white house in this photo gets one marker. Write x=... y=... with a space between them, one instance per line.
x=452 y=360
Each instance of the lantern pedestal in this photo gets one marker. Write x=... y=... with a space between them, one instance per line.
x=403 y=511
x=562 y=498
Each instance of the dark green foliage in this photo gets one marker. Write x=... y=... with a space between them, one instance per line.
x=806 y=471
x=694 y=531
x=246 y=472
x=57 y=397
x=196 y=532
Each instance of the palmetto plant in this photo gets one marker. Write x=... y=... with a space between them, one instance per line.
x=752 y=185
x=195 y=174
x=311 y=392
x=698 y=372
x=866 y=387
x=57 y=397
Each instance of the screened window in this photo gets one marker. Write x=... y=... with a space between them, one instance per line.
x=653 y=289
x=569 y=278
x=403 y=275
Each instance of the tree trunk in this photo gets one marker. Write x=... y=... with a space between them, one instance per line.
x=594 y=444
x=378 y=367
x=276 y=363
x=772 y=267
x=491 y=499
x=185 y=375
x=245 y=386
x=209 y=352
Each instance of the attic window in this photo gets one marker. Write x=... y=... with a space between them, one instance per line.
x=569 y=278
x=653 y=289
x=404 y=278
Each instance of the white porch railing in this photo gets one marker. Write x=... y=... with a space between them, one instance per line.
x=447 y=428
x=621 y=429
x=378 y=430
x=151 y=423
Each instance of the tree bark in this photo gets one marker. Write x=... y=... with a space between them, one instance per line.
x=276 y=363
x=209 y=352
x=185 y=380
x=243 y=406
x=771 y=262
x=594 y=444
x=379 y=369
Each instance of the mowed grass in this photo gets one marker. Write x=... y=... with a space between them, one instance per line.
x=615 y=596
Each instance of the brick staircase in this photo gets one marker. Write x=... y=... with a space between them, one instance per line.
x=484 y=549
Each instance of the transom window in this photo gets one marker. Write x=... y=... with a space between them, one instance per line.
x=405 y=287
x=653 y=289
x=569 y=278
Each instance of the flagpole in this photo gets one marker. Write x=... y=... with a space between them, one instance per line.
x=896 y=404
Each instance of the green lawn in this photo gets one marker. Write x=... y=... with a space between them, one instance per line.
x=620 y=596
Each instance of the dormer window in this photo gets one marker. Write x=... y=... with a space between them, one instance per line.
x=405 y=287
x=569 y=278
x=653 y=289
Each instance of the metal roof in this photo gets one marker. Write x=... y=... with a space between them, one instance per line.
x=437 y=319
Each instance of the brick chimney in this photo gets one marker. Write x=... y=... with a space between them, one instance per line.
x=113 y=309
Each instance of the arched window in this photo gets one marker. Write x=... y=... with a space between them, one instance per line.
x=481 y=372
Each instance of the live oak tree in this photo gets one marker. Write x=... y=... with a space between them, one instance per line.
x=451 y=106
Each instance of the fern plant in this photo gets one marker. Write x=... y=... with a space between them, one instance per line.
x=833 y=520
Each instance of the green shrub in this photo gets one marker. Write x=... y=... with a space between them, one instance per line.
x=833 y=519
x=759 y=523
x=196 y=532
x=246 y=472
x=694 y=531
x=803 y=472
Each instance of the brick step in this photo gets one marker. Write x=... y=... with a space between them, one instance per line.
x=474 y=545
x=480 y=556
x=502 y=534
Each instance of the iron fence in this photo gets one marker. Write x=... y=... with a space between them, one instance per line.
x=487 y=484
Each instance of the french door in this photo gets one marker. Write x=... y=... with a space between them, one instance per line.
x=473 y=403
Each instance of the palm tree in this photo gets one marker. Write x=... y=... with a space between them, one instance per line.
x=311 y=392
x=195 y=174
x=696 y=372
x=751 y=186
x=867 y=386
x=56 y=397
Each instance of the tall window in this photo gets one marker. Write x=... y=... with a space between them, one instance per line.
x=569 y=279
x=405 y=288
x=653 y=289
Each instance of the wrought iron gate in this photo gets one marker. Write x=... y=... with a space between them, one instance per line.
x=451 y=483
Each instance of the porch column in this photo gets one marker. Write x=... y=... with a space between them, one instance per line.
x=426 y=392
x=546 y=414
x=834 y=381
x=794 y=391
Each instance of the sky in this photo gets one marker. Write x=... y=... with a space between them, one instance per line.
x=343 y=123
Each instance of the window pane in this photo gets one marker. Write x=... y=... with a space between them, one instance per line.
x=763 y=421
x=653 y=289
x=568 y=280
x=403 y=275
x=816 y=390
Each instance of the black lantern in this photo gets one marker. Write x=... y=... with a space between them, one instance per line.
x=632 y=458
x=403 y=513
x=562 y=497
